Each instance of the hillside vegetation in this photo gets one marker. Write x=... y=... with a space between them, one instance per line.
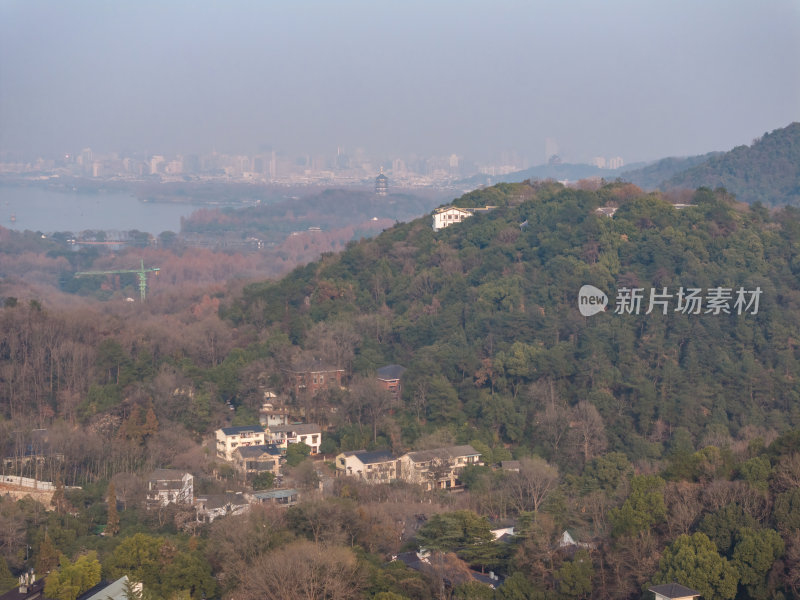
x=666 y=444
x=766 y=172
x=485 y=315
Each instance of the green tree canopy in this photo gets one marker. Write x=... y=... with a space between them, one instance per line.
x=693 y=561
x=463 y=532
x=643 y=508
x=755 y=552
x=70 y=580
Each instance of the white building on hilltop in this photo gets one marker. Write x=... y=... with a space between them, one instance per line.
x=449 y=215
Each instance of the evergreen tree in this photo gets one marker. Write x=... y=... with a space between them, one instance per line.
x=112 y=525
x=694 y=562
x=7 y=580
x=46 y=556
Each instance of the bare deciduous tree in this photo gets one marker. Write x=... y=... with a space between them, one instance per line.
x=587 y=432
x=305 y=571
x=528 y=488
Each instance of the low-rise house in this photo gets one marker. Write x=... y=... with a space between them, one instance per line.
x=389 y=377
x=165 y=486
x=270 y=415
x=111 y=590
x=373 y=467
x=253 y=460
x=29 y=588
x=230 y=438
x=449 y=215
x=307 y=433
x=440 y=468
x=285 y=497
x=310 y=377
x=214 y=506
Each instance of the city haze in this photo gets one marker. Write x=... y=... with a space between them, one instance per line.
x=475 y=79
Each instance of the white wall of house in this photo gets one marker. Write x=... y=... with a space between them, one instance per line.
x=226 y=443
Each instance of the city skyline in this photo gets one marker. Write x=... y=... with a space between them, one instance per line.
x=476 y=80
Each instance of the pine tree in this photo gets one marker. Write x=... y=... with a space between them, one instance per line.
x=112 y=526
x=150 y=422
x=7 y=580
x=46 y=556
x=59 y=498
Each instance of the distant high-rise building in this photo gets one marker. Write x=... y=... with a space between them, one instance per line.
x=599 y=162
x=155 y=163
x=615 y=163
x=381 y=184
x=550 y=149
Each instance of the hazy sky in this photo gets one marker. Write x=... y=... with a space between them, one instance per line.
x=640 y=79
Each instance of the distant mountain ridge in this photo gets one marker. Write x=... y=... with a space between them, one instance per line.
x=768 y=171
x=652 y=176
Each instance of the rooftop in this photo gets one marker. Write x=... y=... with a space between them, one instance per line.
x=390 y=372
x=258 y=451
x=674 y=590
x=105 y=590
x=212 y=501
x=288 y=493
x=298 y=428
x=242 y=429
x=371 y=457
x=168 y=474
x=450 y=452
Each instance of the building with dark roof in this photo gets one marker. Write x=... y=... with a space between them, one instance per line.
x=253 y=460
x=439 y=468
x=389 y=377
x=166 y=486
x=307 y=378
x=230 y=438
x=377 y=466
x=285 y=497
x=28 y=589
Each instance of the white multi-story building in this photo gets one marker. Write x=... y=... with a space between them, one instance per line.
x=165 y=486
x=307 y=433
x=373 y=467
x=230 y=438
x=449 y=215
x=440 y=468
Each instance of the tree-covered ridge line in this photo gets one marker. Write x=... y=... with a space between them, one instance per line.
x=488 y=308
x=768 y=171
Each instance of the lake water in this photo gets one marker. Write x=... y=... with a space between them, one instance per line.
x=39 y=209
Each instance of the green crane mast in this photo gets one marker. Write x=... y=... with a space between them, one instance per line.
x=141 y=272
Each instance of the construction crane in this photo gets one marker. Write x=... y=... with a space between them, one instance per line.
x=140 y=272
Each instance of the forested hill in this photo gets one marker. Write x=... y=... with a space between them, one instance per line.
x=766 y=172
x=485 y=316
x=654 y=175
